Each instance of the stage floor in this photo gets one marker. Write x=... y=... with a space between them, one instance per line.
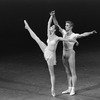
x=25 y=76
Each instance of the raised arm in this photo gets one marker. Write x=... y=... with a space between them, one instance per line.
x=49 y=23
x=86 y=34
x=56 y=23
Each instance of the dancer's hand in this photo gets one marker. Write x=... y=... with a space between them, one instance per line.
x=94 y=31
x=26 y=24
x=77 y=43
x=52 y=13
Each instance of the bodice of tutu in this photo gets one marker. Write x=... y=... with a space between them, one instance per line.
x=52 y=44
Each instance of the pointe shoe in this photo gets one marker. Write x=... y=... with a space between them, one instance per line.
x=26 y=24
x=53 y=93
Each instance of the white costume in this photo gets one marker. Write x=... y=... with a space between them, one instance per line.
x=49 y=53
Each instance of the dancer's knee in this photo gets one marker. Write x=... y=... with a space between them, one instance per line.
x=68 y=72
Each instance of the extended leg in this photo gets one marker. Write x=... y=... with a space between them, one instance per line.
x=35 y=37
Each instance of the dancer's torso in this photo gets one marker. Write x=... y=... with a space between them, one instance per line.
x=52 y=44
x=68 y=45
x=50 y=50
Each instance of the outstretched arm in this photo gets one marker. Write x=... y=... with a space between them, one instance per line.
x=86 y=34
x=69 y=40
x=56 y=23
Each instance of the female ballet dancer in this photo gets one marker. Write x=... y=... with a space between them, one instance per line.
x=48 y=50
x=68 y=57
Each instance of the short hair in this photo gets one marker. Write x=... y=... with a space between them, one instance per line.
x=70 y=22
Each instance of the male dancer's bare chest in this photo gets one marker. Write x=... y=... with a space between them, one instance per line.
x=68 y=45
x=70 y=36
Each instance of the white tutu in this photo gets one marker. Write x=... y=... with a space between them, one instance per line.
x=50 y=57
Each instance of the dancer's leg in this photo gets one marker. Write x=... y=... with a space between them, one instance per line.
x=73 y=72
x=35 y=37
x=66 y=65
x=52 y=78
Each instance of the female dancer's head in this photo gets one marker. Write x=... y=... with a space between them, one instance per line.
x=52 y=29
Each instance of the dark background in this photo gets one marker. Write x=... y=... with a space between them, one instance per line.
x=24 y=73
x=14 y=38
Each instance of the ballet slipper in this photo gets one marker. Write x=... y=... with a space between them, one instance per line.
x=72 y=92
x=53 y=93
x=26 y=25
x=67 y=91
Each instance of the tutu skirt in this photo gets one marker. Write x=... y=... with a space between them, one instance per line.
x=50 y=57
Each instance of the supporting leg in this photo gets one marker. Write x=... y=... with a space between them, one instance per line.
x=68 y=73
x=73 y=73
x=52 y=78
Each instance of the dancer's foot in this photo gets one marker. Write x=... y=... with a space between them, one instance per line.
x=53 y=93
x=26 y=24
x=72 y=92
x=67 y=91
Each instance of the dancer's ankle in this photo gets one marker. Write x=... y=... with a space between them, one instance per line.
x=53 y=92
x=69 y=88
x=72 y=92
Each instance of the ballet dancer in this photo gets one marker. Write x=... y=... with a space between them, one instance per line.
x=48 y=50
x=68 y=57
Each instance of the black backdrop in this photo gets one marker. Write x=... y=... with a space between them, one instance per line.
x=14 y=38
